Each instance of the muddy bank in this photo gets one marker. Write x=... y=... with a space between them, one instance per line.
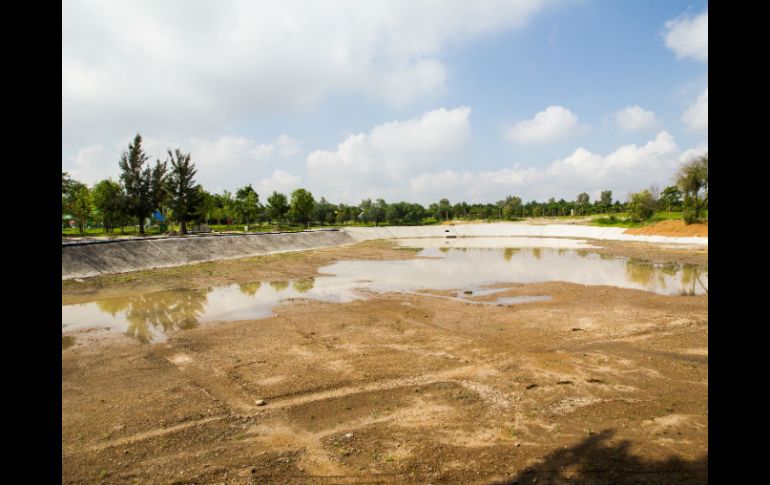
x=597 y=384
x=517 y=229
x=89 y=258
x=672 y=228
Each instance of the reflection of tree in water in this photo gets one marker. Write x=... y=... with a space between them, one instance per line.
x=168 y=310
x=537 y=253
x=250 y=289
x=582 y=253
x=640 y=272
x=279 y=285
x=509 y=252
x=444 y=249
x=693 y=278
x=304 y=285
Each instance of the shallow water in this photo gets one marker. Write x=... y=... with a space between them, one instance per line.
x=150 y=317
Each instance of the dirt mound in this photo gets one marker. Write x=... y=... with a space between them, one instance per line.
x=671 y=227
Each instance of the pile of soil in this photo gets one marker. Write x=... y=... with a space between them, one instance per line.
x=672 y=227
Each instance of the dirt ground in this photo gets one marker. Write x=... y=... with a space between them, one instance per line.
x=597 y=385
x=672 y=227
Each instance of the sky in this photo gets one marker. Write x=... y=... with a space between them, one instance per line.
x=400 y=99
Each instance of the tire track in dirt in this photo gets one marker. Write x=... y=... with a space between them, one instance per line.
x=489 y=395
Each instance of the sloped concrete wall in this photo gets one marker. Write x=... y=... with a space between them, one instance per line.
x=91 y=258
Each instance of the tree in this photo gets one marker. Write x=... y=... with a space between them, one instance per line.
x=70 y=188
x=444 y=210
x=145 y=187
x=693 y=180
x=185 y=198
x=641 y=206
x=247 y=203
x=82 y=206
x=582 y=200
x=209 y=207
x=671 y=197
x=277 y=207
x=110 y=203
x=511 y=206
x=302 y=205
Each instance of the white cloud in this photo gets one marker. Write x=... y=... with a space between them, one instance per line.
x=279 y=181
x=224 y=162
x=198 y=66
x=554 y=123
x=389 y=153
x=92 y=164
x=696 y=151
x=696 y=117
x=689 y=36
x=627 y=169
x=635 y=118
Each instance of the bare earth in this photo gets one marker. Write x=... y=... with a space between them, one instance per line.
x=598 y=385
x=672 y=227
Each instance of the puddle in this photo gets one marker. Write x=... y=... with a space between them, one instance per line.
x=67 y=341
x=151 y=317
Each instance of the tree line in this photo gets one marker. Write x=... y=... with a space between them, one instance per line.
x=168 y=188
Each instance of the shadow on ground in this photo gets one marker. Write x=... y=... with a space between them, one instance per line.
x=597 y=461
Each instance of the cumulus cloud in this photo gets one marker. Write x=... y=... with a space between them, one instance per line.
x=689 y=36
x=635 y=118
x=389 y=152
x=194 y=67
x=696 y=117
x=626 y=169
x=223 y=162
x=279 y=181
x=554 y=123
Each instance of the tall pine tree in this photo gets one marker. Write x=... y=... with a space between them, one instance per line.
x=185 y=197
x=144 y=185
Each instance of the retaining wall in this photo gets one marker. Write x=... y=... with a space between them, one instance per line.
x=83 y=259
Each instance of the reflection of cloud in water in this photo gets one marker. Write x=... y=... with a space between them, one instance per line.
x=151 y=316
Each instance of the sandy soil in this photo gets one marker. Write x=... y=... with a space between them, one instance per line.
x=598 y=385
x=672 y=227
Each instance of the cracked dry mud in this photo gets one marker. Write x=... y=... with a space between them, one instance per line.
x=597 y=385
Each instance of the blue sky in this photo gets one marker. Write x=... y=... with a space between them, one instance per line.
x=400 y=100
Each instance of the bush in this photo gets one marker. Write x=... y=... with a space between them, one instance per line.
x=641 y=207
x=689 y=216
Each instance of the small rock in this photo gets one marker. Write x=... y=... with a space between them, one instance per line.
x=564 y=382
x=79 y=280
x=517 y=444
x=260 y=402
x=468 y=292
x=576 y=329
x=531 y=386
x=348 y=435
x=253 y=470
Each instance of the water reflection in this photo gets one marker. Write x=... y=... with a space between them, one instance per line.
x=303 y=286
x=151 y=316
x=250 y=289
x=163 y=311
x=279 y=285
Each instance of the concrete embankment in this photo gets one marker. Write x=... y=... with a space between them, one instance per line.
x=515 y=229
x=83 y=259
